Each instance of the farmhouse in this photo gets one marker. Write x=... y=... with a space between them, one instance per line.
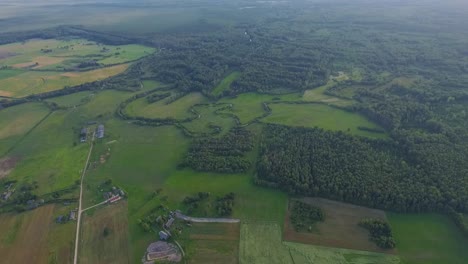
x=169 y=223
x=83 y=135
x=114 y=199
x=100 y=131
x=72 y=215
x=164 y=235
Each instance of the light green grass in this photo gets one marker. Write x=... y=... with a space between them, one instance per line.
x=320 y=115
x=308 y=254
x=249 y=106
x=251 y=202
x=72 y=99
x=6 y=73
x=178 y=109
x=225 y=84
x=208 y=118
x=428 y=239
x=318 y=95
x=33 y=82
x=69 y=53
x=16 y=121
x=261 y=243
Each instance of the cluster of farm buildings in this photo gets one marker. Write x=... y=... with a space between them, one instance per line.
x=162 y=250
x=8 y=192
x=115 y=195
x=84 y=133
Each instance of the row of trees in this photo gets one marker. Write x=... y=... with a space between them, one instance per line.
x=225 y=154
x=379 y=231
x=304 y=216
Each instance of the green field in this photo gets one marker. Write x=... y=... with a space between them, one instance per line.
x=225 y=84
x=47 y=242
x=66 y=54
x=6 y=73
x=428 y=239
x=178 y=109
x=213 y=243
x=34 y=82
x=99 y=246
x=16 y=121
x=261 y=243
x=249 y=106
x=72 y=99
x=209 y=121
x=320 y=115
x=318 y=95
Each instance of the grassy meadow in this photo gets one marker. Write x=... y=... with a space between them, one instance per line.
x=35 y=82
x=63 y=54
x=38 y=66
x=249 y=106
x=320 y=115
x=213 y=243
x=210 y=120
x=36 y=231
x=261 y=243
x=17 y=121
x=110 y=246
x=225 y=84
x=72 y=99
x=178 y=109
x=340 y=228
x=428 y=239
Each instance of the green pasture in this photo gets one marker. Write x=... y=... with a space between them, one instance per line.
x=48 y=154
x=178 y=109
x=209 y=121
x=309 y=254
x=249 y=106
x=18 y=120
x=6 y=73
x=225 y=84
x=320 y=115
x=318 y=95
x=68 y=53
x=34 y=82
x=428 y=239
x=261 y=242
x=251 y=202
x=72 y=99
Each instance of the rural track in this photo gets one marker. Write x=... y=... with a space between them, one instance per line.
x=78 y=222
x=96 y=205
x=207 y=220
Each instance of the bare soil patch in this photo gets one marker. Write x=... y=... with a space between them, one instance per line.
x=70 y=74
x=6 y=93
x=340 y=228
x=7 y=165
x=25 y=65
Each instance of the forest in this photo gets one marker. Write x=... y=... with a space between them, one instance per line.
x=410 y=175
x=225 y=154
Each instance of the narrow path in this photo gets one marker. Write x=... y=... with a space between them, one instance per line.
x=78 y=222
x=91 y=207
x=206 y=220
